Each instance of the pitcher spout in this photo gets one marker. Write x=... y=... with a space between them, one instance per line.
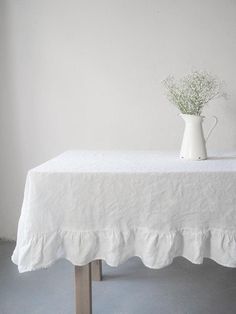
x=190 y=118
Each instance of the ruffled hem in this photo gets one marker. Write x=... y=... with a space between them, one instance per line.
x=156 y=250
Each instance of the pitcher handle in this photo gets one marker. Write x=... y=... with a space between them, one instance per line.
x=212 y=128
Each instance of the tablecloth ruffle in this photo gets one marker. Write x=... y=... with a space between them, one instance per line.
x=155 y=249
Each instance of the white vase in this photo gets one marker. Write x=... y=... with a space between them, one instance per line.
x=194 y=144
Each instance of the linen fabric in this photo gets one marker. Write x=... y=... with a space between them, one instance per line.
x=112 y=205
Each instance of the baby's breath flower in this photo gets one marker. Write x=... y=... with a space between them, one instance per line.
x=191 y=93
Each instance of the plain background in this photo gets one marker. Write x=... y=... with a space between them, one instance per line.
x=87 y=74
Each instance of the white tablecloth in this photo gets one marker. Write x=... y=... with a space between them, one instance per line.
x=87 y=205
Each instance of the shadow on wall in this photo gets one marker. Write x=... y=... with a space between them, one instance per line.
x=231 y=118
x=10 y=157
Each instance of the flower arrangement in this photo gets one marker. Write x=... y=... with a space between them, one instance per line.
x=191 y=93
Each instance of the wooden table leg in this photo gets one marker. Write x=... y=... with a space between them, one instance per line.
x=97 y=270
x=83 y=289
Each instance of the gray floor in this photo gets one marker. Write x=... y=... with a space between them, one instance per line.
x=181 y=288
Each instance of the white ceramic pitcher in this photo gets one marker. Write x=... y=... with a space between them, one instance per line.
x=194 y=144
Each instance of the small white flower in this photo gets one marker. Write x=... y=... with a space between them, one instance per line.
x=191 y=93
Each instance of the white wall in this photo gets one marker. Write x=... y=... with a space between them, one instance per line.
x=86 y=74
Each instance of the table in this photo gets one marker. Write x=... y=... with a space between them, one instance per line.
x=88 y=206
